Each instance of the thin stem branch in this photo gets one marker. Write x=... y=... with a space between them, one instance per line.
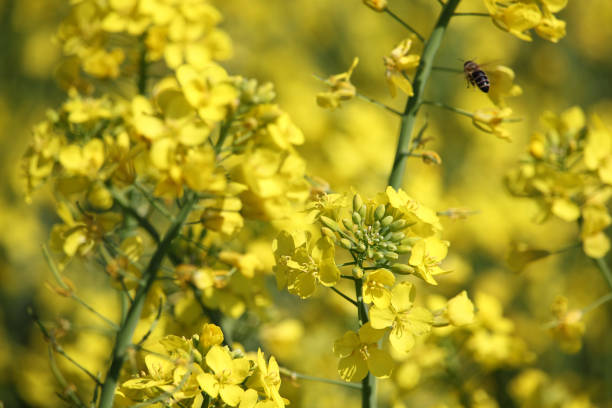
x=295 y=376
x=162 y=210
x=604 y=268
x=403 y=23
x=603 y=299
x=142 y=221
x=64 y=384
x=343 y=295
x=472 y=14
x=414 y=102
x=450 y=108
x=58 y=348
x=69 y=290
x=124 y=337
x=377 y=103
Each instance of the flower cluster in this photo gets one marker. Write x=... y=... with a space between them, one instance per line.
x=568 y=173
x=387 y=236
x=94 y=33
x=179 y=371
x=519 y=16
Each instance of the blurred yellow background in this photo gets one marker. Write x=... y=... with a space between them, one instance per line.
x=289 y=42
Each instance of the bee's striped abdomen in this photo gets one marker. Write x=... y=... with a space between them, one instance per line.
x=481 y=80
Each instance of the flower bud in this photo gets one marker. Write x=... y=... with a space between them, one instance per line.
x=397 y=236
x=387 y=220
x=398 y=225
x=357 y=202
x=328 y=222
x=390 y=255
x=356 y=218
x=357 y=272
x=99 y=197
x=348 y=224
x=377 y=5
x=403 y=249
x=361 y=247
x=402 y=269
x=379 y=213
x=328 y=233
x=345 y=243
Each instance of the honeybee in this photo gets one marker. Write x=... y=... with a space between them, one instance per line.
x=476 y=76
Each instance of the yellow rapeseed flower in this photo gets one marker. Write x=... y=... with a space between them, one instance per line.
x=359 y=353
x=228 y=374
x=405 y=319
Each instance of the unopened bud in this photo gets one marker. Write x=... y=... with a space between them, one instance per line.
x=377 y=5
x=403 y=249
x=345 y=243
x=431 y=157
x=357 y=202
x=397 y=236
x=379 y=213
x=398 y=225
x=331 y=224
x=348 y=224
x=357 y=272
x=356 y=218
x=99 y=197
x=402 y=269
x=361 y=247
x=390 y=255
x=328 y=233
x=387 y=220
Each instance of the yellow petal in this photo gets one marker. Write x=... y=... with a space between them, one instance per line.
x=379 y=362
x=209 y=384
x=352 y=368
x=231 y=394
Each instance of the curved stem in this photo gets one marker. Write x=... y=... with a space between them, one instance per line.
x=126 y=331
x=414 y=102
x=403 y=23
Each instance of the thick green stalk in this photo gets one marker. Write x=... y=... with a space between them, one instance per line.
x=368 y=384
x=124 y=336
x=414 y=102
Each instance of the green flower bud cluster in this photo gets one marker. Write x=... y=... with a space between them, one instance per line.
x=373 y=234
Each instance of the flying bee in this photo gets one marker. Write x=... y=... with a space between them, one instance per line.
x=476 y=76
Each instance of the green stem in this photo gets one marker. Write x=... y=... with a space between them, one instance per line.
x=403 y=23
x=414 y=102
x=604 y=268
x=126 y=331
x=368 y=384
x=142 y=67
x=450 y=108
x=597 y=303
x=69 y=290
x=294 y=376
x=142 y=221
x=377 y=103
x=343 y=295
